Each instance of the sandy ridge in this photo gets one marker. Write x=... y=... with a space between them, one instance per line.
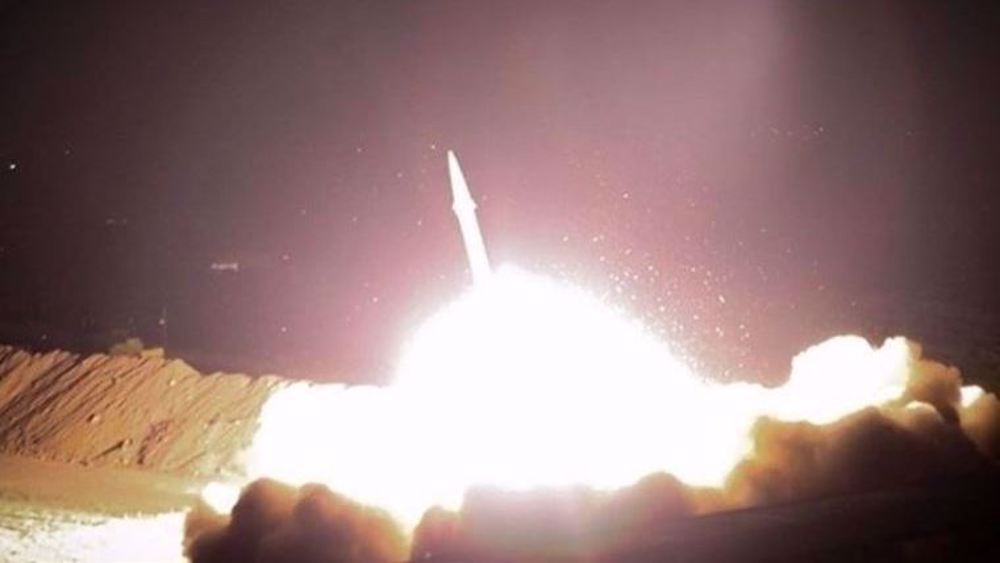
x=149 y=412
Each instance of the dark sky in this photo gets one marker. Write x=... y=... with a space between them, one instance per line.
x=748 y=177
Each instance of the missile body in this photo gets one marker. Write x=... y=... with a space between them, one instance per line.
x=465 y=210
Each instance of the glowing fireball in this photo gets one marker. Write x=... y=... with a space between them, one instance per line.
x=527 y=382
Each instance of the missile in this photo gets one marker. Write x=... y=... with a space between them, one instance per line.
x=465 y=210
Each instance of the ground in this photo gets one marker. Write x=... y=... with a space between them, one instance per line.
x=59 y=512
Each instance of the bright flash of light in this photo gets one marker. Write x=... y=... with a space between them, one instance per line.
x=525 y=382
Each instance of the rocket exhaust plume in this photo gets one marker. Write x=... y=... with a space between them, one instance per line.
x=526 y=382
x=465 y=210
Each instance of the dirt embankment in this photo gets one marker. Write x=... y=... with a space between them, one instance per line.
x=147 y=412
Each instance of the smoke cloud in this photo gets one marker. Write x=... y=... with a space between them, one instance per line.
x=273 y=522
x=866 y=451
x=899 y=448
x=933 y=435
x=981 y=422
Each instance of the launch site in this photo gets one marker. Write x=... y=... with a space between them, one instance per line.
x=452 y=281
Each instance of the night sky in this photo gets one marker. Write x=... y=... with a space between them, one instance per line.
x=746 y=177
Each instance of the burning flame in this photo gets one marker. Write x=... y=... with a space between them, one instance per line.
x=526 y=382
